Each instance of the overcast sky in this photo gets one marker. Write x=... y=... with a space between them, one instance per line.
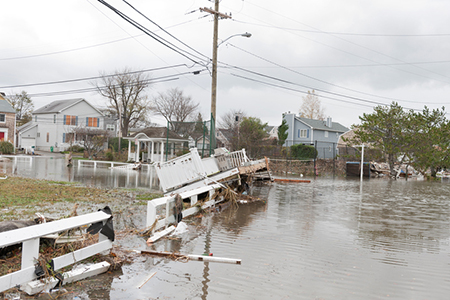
x=355 y=54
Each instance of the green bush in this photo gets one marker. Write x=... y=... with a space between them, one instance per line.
x=114 y=142
x=303 y=151
x=109 y=155
x=6 y=148
x=76 y=148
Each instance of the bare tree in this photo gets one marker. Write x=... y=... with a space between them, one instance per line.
x=23 y=106
x=311 y=107
x=175 y=107
x=93 y=140
x=125 y=91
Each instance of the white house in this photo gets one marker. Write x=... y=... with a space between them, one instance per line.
x=52 y=126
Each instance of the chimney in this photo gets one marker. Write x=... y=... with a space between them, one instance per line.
x=329 y=122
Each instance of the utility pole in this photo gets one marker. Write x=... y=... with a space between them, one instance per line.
x=217 y=15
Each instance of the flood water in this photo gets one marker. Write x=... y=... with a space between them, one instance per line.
x=328 y=239
x=55 y=168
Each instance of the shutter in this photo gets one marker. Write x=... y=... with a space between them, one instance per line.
x=76 y=121
x=98 y=122
x=299 y=133
x=64 y=119
x=307 y=133
x=87 y=121
x=64 y=138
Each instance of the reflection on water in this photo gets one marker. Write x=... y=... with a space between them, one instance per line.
x=52 y=168
x=329 y=239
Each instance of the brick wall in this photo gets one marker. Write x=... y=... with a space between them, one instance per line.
x=10 y=122
x=325 y=167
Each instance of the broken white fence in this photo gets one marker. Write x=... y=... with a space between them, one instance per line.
x=190 y=167
x=167 y=202
x=30 y=237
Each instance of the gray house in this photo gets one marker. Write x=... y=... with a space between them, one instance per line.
x=324 y=135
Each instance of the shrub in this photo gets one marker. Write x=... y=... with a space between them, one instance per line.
x=6 y=147
x=76 y=148
x=109 y=155
x=303 y=151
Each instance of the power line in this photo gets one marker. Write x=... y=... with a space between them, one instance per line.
x=164 y=30
x=271 y=11
x=314 y=78
x=90 y=78
x=346 y=33
x=154 y=36
x=85 y=90
x=326 y=97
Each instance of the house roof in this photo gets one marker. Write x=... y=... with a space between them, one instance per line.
x=158 y=132
x=322 y=125
x=6 y=107
x=227 y=133
x=60 y=105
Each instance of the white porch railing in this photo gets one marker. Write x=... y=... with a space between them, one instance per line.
x=30 y=237
x=110 y=164
x=231 y=160
x=190 y=167
x=168 y=201
x=181 y=170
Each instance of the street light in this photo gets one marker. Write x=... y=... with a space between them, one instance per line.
x=247 y=35
x=214 y=75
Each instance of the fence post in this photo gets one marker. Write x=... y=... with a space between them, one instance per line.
x=315 y=159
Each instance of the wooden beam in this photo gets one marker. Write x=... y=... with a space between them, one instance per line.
x=211 y=11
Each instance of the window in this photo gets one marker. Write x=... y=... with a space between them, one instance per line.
x=35 y=118
x=68 y=137
x=70 y=120
x=54 y=118
x=2 y=118
x=110 y=127
x=38 y=134
x=48 y=136
x=92 y=122
x=326 y=133
x=302 y=133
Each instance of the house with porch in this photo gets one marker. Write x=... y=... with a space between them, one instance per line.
x=152 y=144
x=323 y=135
x=52 y=127
x=7 y=121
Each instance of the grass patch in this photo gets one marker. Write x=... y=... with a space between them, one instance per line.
x=20 y=192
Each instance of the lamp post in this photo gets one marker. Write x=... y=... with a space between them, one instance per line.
x=214 y=69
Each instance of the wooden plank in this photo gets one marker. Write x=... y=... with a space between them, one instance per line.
x=160 y=234
x=193 y=257
x=146 y=280
x=78 y=255
x=79 y=273
x=291 y=180
x=16 y=236
x=30 y=252
x=17 y=278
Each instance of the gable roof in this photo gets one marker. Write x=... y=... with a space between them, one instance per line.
x=158 y=132
x=6 y=107
x=322 y=125
x=60 y=105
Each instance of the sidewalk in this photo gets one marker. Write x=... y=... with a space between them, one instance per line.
x=49 y=154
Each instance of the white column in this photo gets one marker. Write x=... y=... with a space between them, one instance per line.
x=137 y=154
x=162 y=152
x=153 y=150
x=129 y=149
